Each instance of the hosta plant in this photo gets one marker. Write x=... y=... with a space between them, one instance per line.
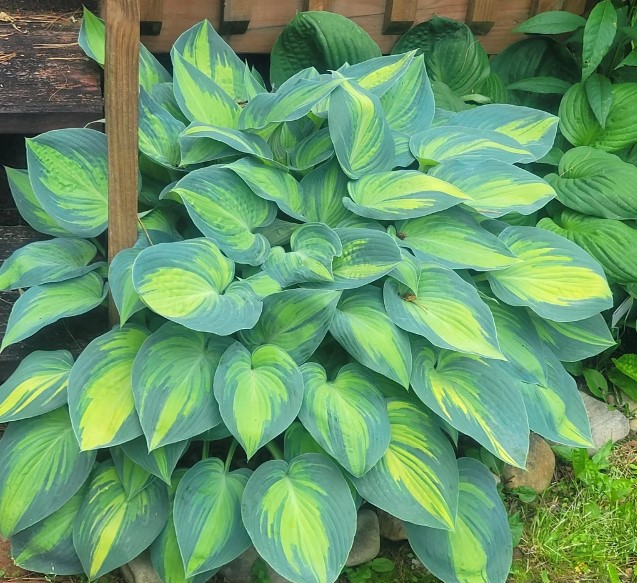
x=324 y=308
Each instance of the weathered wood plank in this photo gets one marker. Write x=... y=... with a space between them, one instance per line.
x=151 y=15
x=399 y=16
x=539 y=6
x=480 y=16
x=319 y=5
x=235 y=16
x=46 y=80
x=121 y=88
x=575 y=6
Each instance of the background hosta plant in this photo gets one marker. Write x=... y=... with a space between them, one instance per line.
x=326 y=304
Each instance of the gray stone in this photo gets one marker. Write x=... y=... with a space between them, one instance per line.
x=140 y=570
x=390 y=527
x=540 y=466
x=367 y=540
x=606 y=424
x=240 y=570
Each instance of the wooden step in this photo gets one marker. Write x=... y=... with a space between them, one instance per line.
x=46 y=81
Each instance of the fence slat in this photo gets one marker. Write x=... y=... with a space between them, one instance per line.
x=151 y=15
x=121 y=86
x=235 y=16
x=399 y=16
x=319 y=5
x=480 y=16
x=538 y=6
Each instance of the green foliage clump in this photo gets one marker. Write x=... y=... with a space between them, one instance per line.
x=331 y=275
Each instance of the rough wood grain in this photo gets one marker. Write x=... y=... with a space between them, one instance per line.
x=539 y=6
x=46 y=81
x=121 y=88
x=575 y=6
x=481 y=16
x=399 y=16
x=319 y=5
x=235 y=16
x=151 y=15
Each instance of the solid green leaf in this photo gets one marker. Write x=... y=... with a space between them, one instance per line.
x=322 y=39
x=475 y=395
x=37 y=386
x=227 y=211
x=495 y=188
x=596 y=183
x=44 y=304
x=551 y=22
x=361 y=135
x=416 y=479
x=479 y=549
x=555 y=278
x=172 y=381
x=444 y=309
x=259 y=393
x=346 y=416
x=600 y=98
x=100 y=391
x=296 y=320
x=67 y=170
x=207 y=514
x=307 y=495
x=92 y=36
x=189 y=282
x=361 y=326
x=541 y=85
x=599 y=33
x=401 y=194
x=120 y=279
x=451 y=53
x=111 y=530
x=41 y=468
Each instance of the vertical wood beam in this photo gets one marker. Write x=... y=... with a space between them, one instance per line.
x=319 y=5
x=121 y=88
x=480 y=16
x=235 y=16
x=399 y=16
x=151 y=15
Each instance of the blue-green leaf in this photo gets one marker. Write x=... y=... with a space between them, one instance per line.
x=120 y=279
x=160 y=462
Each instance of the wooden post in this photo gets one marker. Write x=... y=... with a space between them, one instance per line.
x=399 y=16
x=121 y=89
x=235 y=16
x=480 y=16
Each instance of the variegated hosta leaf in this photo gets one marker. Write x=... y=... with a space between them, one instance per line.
x=160 y=462
x=409 y=104
x=111 y=530
x=555 y=278
x=477 y=396
x=296 y=320
x=367 y=255
x=262 y=284
x=404 y=157
x=437 y=144
x=67 y=170
x=445 y=309
x=189 y=282
x=309 y=505
x=495 y=188
x=555 y=407
x=362 y=138
x=164 y=552
x=313 y=246
x=407 y=271
x=158 y=132
x=47 y=546
x=271 y=183
x=417 y=478
x=456 y=240
x=37 y=386
x=323 y=191
x=226 y=210
x=172 y=384
x=289 y=103
x=361 y=326
x=200 y=98
x=201 y=142
x=532 y=128
x=120 y=279
x=44 y=304
x=134 y=478
x=573 y=341
x=29 y=206
x=259 y=393
x=47 y=262
x=346 y=416
x=100 y=389
x=380 y=74
x=151 y=71
x=313 y=150
x=401 y=194
x=41 y=467
x=479 y=548
x=207 y=514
